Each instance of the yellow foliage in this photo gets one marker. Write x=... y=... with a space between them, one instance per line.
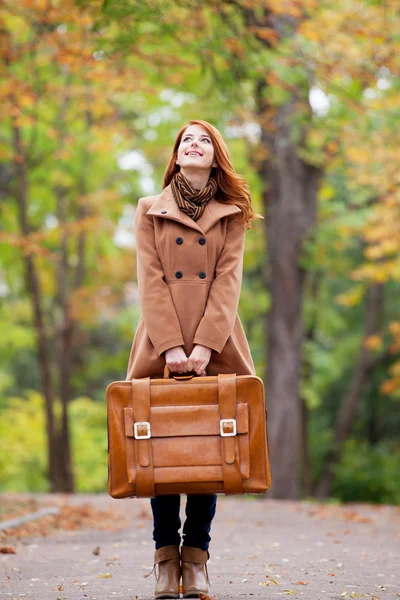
x=394 y=328
x=26 y=99
x=373 y=342
x=352 y=297
x=391 y=386
x=23 y=121
x=308 y=29
x=359 y=155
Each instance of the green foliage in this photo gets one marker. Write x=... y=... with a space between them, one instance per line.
x=368 y=473
x=23 y=445
x=89 y=444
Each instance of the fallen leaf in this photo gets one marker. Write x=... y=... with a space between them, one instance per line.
x=302 y=583
x=266 y=583
x=96 y=551
x=69 y=518
x=8 y=550
x=104 y=575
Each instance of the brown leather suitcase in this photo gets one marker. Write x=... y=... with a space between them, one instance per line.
x=187 y=434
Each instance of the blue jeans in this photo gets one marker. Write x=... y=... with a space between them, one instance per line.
x=200 y=511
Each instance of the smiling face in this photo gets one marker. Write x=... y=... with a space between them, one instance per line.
x=196 y=150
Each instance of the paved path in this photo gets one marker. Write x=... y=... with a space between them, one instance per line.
x=296 y=549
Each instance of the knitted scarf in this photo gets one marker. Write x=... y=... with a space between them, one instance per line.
x=192 y=201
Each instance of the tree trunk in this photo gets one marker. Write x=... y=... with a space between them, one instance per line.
x=290 y=202
x=348 y=409
x=34 y=291
x=65 y=337
x=65 y=348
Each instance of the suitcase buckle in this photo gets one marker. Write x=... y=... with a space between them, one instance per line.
x=231 y=422
x=139 y=436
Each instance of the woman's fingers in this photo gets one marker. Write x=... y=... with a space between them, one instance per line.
x=178 y=362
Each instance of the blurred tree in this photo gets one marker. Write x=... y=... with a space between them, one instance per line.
x=60 y=110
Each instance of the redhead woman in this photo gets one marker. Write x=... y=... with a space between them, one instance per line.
x=190 y=242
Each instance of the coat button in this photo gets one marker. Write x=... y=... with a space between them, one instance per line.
x=178 y=274
x=179 y=240
x=202 y=274
x=202 y=241
x=163 y=212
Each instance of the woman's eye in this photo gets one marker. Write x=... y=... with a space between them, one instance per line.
x=206 y=139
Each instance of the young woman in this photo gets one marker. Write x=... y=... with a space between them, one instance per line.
x=190 y=243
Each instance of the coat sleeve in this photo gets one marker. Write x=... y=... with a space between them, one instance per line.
x=159 y=314
x=219 y=316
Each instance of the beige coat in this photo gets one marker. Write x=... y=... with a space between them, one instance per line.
x=189 y=278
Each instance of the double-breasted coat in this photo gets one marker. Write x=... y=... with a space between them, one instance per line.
x=189 y=280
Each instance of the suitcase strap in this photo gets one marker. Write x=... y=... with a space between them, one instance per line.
x=227 y=398
x=144 y=456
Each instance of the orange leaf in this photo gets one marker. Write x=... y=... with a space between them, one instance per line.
x=8 y=550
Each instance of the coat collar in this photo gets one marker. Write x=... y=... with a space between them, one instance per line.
x=213 y=212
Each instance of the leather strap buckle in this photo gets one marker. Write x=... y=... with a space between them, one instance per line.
x=223 y=426
x=137 y=434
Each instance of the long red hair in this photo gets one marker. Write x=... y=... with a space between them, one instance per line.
x=232 y=187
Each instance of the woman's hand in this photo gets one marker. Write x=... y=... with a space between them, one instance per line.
x=176 y=359
x=199 y=359
x=178 y=362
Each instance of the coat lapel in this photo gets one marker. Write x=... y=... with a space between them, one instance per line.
x=213 y=212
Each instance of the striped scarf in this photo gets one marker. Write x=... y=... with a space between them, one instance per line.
x=192 y=201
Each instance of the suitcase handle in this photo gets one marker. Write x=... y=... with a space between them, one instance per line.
x=178 y=376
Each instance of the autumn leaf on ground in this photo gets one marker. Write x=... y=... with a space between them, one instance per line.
x=7 y=550
x=302 y=583
x=104 y=575
x=268 y=582
x=70 y=518
x=96 y=551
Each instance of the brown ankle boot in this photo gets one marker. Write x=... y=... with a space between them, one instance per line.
x=194 y=571
x=169 y=572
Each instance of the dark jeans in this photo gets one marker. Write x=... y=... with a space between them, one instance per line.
x=200 y=511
